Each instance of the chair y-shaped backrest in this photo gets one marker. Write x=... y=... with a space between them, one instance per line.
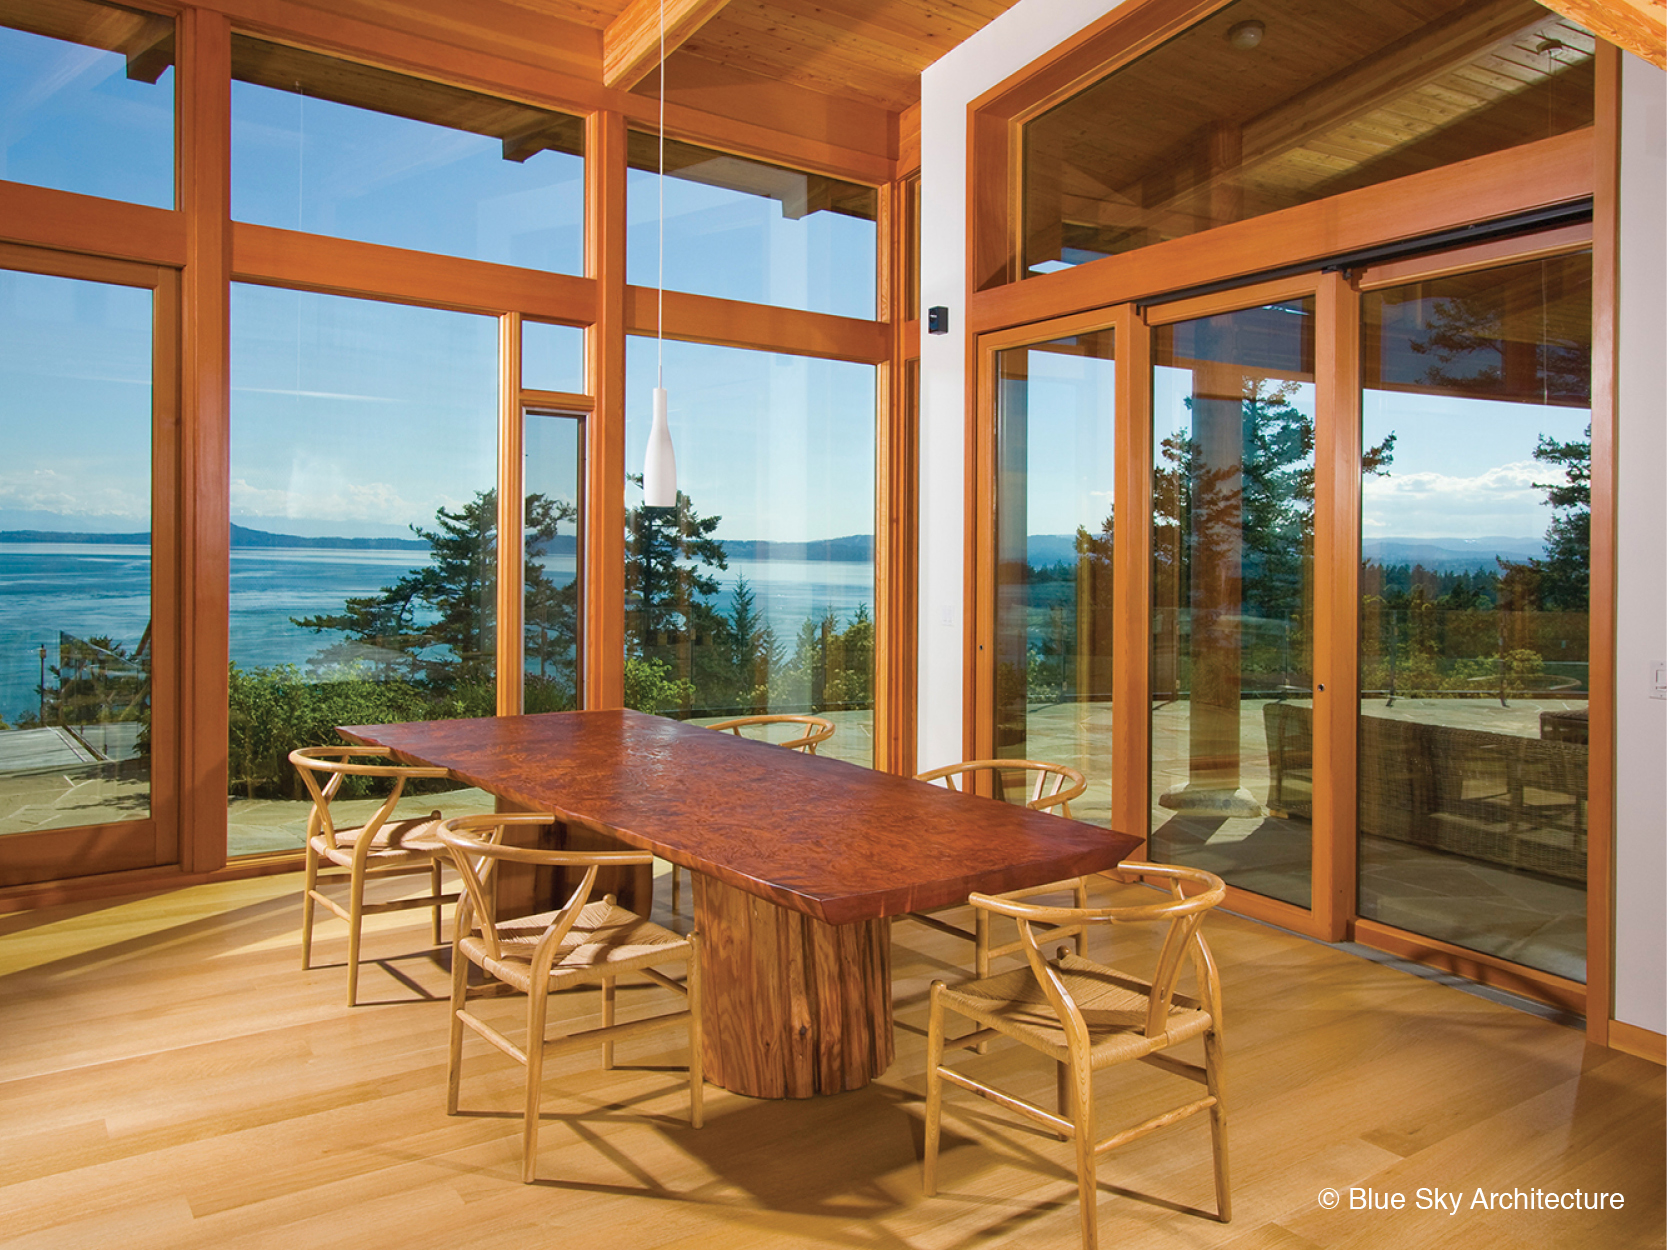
x=1047 y=786
x=477 y=861
x=817 y=729
x=339 y=763
x=1182 y=913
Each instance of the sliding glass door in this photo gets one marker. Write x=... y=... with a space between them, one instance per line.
x=1474 y=607
x=1054 y=535
x=1351 y=565
x=1233 y=402
x=87 y=573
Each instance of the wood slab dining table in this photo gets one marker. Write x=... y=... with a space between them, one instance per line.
x=799 y=863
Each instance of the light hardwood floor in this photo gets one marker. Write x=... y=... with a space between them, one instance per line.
x=170 y=1078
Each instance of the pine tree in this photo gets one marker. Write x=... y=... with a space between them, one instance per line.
x=437 y=625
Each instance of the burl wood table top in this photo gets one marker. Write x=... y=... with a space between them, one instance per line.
x=835 y=841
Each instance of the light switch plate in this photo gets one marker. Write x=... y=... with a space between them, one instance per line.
x=1659 y=689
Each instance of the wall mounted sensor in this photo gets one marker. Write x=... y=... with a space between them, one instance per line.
x=937 y=320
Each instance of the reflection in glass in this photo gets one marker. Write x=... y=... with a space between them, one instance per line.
x=354 y=152
x=1054 y=452
x=87 y=100
x=554 y=445
x=552 y=357
x=744 y=230
x=1203 y=130
x=1232 y=590
x=364 y=533
x=1474 y=611
x=75 y=553
x=756 y=594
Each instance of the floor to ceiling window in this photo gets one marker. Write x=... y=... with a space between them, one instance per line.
x=364 y=515
x=425 y=356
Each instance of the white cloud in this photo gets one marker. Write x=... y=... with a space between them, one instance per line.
x=1502 y=500
x=72 y=494
x=329 y=496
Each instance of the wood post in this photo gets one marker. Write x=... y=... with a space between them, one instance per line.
x=794 y=1007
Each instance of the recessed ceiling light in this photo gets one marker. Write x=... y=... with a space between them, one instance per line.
x=1245 y=35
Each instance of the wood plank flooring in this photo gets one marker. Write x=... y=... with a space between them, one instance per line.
x=169 y=1078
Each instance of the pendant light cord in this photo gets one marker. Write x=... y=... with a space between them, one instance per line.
x=660 y=309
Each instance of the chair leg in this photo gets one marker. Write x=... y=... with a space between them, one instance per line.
x=459 y=1001
x=981 y=944
x=608 y=988
x=307 y=888
x=697 y=1061
x=1082 y=904
x=981 y=939
x=676 y=885
x=1062 y=1089
x=1088 y=1196
x=1218 y=1122
x=538 y=1004
x=355 y=923
x=934 y=1091
x=434 y=892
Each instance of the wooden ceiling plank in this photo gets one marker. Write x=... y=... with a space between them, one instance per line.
x=1639 y=26
x=1403 y=67
x=632 y=43
x=913 y=34
x=810 y=39
x=775 y=54
x=1446 y=51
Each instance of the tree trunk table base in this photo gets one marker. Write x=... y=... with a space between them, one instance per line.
x=792 y=1006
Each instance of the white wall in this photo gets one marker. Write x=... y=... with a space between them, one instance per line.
x=1641 y=524
x=1006 y=45
x=1018 y=37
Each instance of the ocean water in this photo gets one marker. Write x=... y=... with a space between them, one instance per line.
x=88 y=590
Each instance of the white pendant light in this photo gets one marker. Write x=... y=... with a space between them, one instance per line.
x=659 y=470
x=659 y=467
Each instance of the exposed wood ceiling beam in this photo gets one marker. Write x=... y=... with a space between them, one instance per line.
x=1639 y=26
x=631 y=43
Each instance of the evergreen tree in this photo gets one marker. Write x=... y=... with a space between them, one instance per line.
x=753 y=651
x=437 y=625
x=1565 y=574
x=670 y=560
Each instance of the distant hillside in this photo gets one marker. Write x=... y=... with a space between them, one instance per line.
x=58 y=536
x=241 y=537
x=1439 y=555
x=853 y=547
x=1452 y=555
